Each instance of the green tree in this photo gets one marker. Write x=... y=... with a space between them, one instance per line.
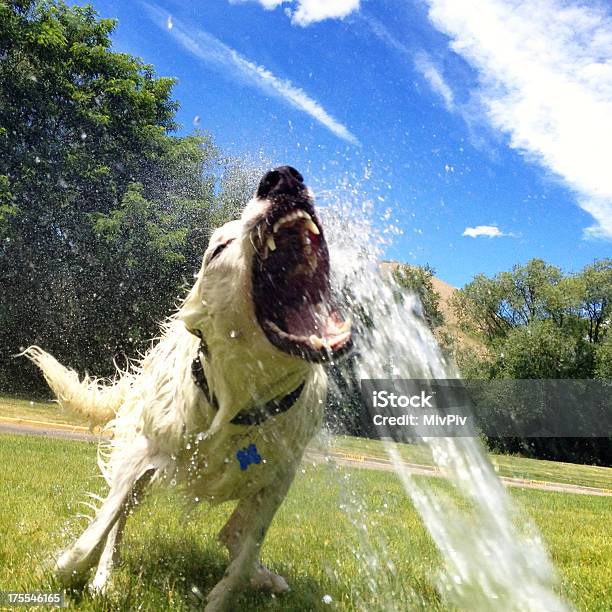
x=603 y=363
x=537 y=323
x=594 y=292
x=418 y=279
x=104 y=213
x=542 y=349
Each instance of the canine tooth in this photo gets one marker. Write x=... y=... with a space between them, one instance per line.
x=271 y=244
x=316 y=342
x=340 y=339
x=274 y=327
x=346 y=326
x=311 y=227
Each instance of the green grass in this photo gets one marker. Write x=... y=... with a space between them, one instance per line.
x=505 y=465
x=311 y=542
x=51 y=412
x=518 y=467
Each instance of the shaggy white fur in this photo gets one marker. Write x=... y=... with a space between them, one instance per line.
x=163 y=428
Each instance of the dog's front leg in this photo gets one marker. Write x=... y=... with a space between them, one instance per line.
x=110 y=554
x=73 y=564
x=244 y=535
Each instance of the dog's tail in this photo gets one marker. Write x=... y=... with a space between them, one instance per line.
x=90 y=397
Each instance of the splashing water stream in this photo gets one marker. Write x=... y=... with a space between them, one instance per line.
x=493 y=557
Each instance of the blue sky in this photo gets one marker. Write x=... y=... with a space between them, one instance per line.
x=482 y=130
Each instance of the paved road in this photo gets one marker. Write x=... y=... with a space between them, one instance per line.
x=342 y=459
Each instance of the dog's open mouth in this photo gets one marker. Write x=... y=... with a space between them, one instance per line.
x=291 y=285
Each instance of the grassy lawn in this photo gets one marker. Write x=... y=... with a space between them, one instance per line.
x=518 y=467
x=311 y=542
x=51 y=412
x=505 y=465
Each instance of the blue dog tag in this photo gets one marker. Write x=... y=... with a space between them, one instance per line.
x=248 y=455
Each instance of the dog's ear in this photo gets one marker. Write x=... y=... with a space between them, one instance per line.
x=193 y=310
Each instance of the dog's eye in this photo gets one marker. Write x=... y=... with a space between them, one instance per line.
x=218 y=250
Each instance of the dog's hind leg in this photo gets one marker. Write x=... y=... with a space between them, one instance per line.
x=244 y=535
x=110 y=554
x=74 y=563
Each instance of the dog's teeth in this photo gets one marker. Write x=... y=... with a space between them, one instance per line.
x=271 y=244
x=340 y=339
x=307 y=249
x=316 y=342
x=311 y=227
x=346 y=326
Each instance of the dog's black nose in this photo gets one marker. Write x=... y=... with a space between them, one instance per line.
x=284 y=180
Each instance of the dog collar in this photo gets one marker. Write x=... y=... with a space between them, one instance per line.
x=256 y=415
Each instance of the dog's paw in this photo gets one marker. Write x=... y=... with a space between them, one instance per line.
x=265 y=580
x=100 y=585
x=221 y=597
x=68 y=576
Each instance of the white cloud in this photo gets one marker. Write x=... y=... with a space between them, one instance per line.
x=433 y=76
x=490 y=231
x=383 y=33
x=311 y=11
x=211 y=50
x=545 y=70
x=422 y=62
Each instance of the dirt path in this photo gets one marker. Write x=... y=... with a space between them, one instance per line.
x=74 y=432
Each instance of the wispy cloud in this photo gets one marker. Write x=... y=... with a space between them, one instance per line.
x=490 y=231
x=545 y=72
x=310 y=11
x=211 y=50
x=424 y=64
x=383 y=33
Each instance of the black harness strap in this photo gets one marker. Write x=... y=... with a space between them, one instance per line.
x=197 y=372
x=259 y=414
x=256 y=415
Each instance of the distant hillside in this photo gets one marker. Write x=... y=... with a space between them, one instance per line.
x=446 y=292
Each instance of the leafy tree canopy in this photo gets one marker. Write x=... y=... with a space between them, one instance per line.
x=104 y=213
x=538 y=322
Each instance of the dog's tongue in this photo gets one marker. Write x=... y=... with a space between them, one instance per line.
x=319 y=326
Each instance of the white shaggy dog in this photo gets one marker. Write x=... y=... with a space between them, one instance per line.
x=225 y=403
